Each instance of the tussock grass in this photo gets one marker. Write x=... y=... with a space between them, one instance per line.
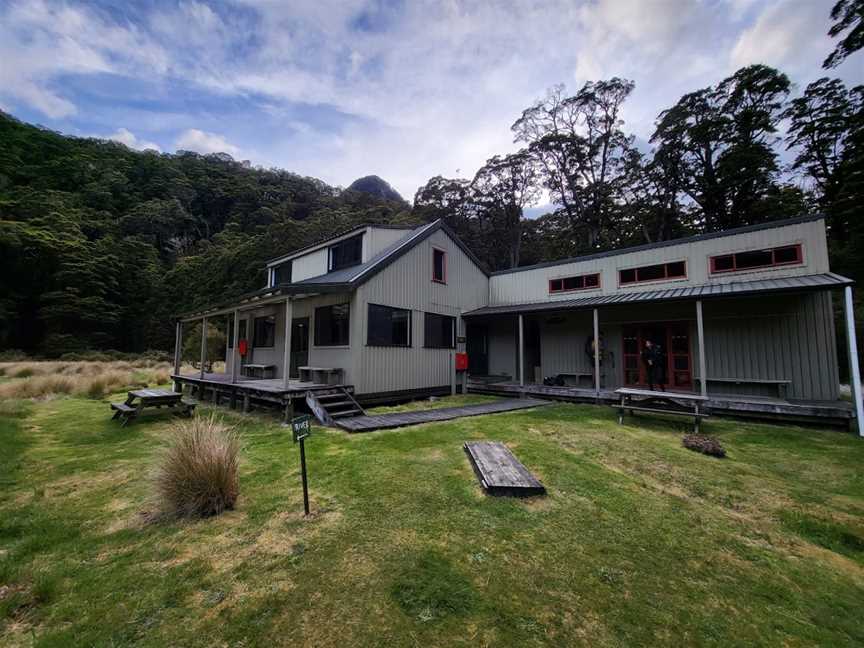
x=91 y=379
x=197 y=475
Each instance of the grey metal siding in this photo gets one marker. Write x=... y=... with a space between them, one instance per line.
x=532 y=285
x=407 y=283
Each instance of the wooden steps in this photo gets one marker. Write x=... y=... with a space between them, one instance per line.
x=499 y=472
x=332 y=405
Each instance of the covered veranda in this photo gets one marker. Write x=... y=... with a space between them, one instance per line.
x=742 y=337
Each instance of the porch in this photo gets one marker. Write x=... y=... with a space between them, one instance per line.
x=766 y=355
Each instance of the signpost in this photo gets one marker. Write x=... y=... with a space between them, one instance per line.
x=301 y=427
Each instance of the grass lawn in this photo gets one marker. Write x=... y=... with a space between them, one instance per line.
x=639 y=542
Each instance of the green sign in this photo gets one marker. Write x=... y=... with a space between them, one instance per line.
x=301 y=427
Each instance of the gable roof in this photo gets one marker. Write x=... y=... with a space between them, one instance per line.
x=358 y=274
x=332 y=237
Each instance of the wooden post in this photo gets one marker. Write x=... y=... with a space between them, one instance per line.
x=452 y=373
x=178 y=354
x=235 y=351
x=597 y=353
x=286 y=356
x=521 y=352
x=700 y=331
x=203 y=344
x=854 y=371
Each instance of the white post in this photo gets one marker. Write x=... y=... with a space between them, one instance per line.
x=286 y=356
x=452 y=373
x=203 y=344
x=178 y=353
x=597 y=353
x=700 y=330
x=854 y=371
x=521 y=352
x=235 y=352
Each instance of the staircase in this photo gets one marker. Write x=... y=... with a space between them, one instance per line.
x=331 y=404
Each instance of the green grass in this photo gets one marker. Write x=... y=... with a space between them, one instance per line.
x=639 y=541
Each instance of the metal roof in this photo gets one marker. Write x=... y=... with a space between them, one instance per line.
x=706 y=291
x=661 y=244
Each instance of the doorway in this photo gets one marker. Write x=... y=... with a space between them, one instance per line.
x=299 y=345
x=673 y=340
x=477 y=348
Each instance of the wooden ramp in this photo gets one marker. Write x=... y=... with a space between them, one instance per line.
x=499 y=472
x=401 y=419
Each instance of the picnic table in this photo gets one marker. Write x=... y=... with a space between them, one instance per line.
x=657 y=402
x=140 y=399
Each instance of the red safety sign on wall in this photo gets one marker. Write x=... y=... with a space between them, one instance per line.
x=242 y=347
x=461 y=362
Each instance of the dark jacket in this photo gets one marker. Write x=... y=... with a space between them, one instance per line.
x=652 y=357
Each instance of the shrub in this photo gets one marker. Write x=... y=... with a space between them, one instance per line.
x=197 y=476
x=704 y=444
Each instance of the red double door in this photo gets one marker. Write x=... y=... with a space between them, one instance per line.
x=673 y=340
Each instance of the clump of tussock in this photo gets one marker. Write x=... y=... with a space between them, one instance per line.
x=90 y=379
x=704 y=444
x=197 y=475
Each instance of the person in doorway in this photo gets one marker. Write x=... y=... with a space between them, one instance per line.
x=653 y=360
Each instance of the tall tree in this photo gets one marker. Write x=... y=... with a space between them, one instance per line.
x=501 y=190
x=848 y=16
x=724 y=137
x=582 y=152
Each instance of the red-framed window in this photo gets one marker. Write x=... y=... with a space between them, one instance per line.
x=577 y=282
x=657 y=272
x=755 y=259
x=439 y=266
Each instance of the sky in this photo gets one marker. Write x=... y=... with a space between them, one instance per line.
x=402 y=89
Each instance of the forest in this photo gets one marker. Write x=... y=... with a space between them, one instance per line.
x=101 y=245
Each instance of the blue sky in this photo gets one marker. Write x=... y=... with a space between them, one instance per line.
x=403 y=89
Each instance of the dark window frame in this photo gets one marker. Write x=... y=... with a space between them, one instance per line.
x=666 y=276
x=799 y=259
x=271 y=319
x=357 y=240
x=583 y=278
x=317 y=333
x=376 y=343
x=426 y=327
x=276 y=268
x=443 y=254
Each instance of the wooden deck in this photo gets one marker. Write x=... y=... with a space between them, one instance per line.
x=401 y=419
x=499 y=472
x=838 y=413
x=268 y=386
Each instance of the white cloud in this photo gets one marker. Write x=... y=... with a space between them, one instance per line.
x=431 y=88
x=203 y=142
x=127 y=137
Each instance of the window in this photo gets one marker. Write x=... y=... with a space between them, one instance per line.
x=264 y=332
x=388 y=326
x=779 y=256
x=282 y=274
x=346 y=253
x=439 y=331
x=674 y=270
x=331 y=325
x=439 y=265
x=580 y=282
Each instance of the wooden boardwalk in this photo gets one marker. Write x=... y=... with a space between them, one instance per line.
x=401 y=419
x=499 y=472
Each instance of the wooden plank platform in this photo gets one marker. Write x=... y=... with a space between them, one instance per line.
x=499 y=471
x=401 y=419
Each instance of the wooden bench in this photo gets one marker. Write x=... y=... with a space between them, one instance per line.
x=251 y=370
x=654 y=402
x=324 y=375
x=140 y=399
x=782 y=386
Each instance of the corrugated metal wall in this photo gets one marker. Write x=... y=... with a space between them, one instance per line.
x=532 y=285
x=407 y=283
x=781 y=337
